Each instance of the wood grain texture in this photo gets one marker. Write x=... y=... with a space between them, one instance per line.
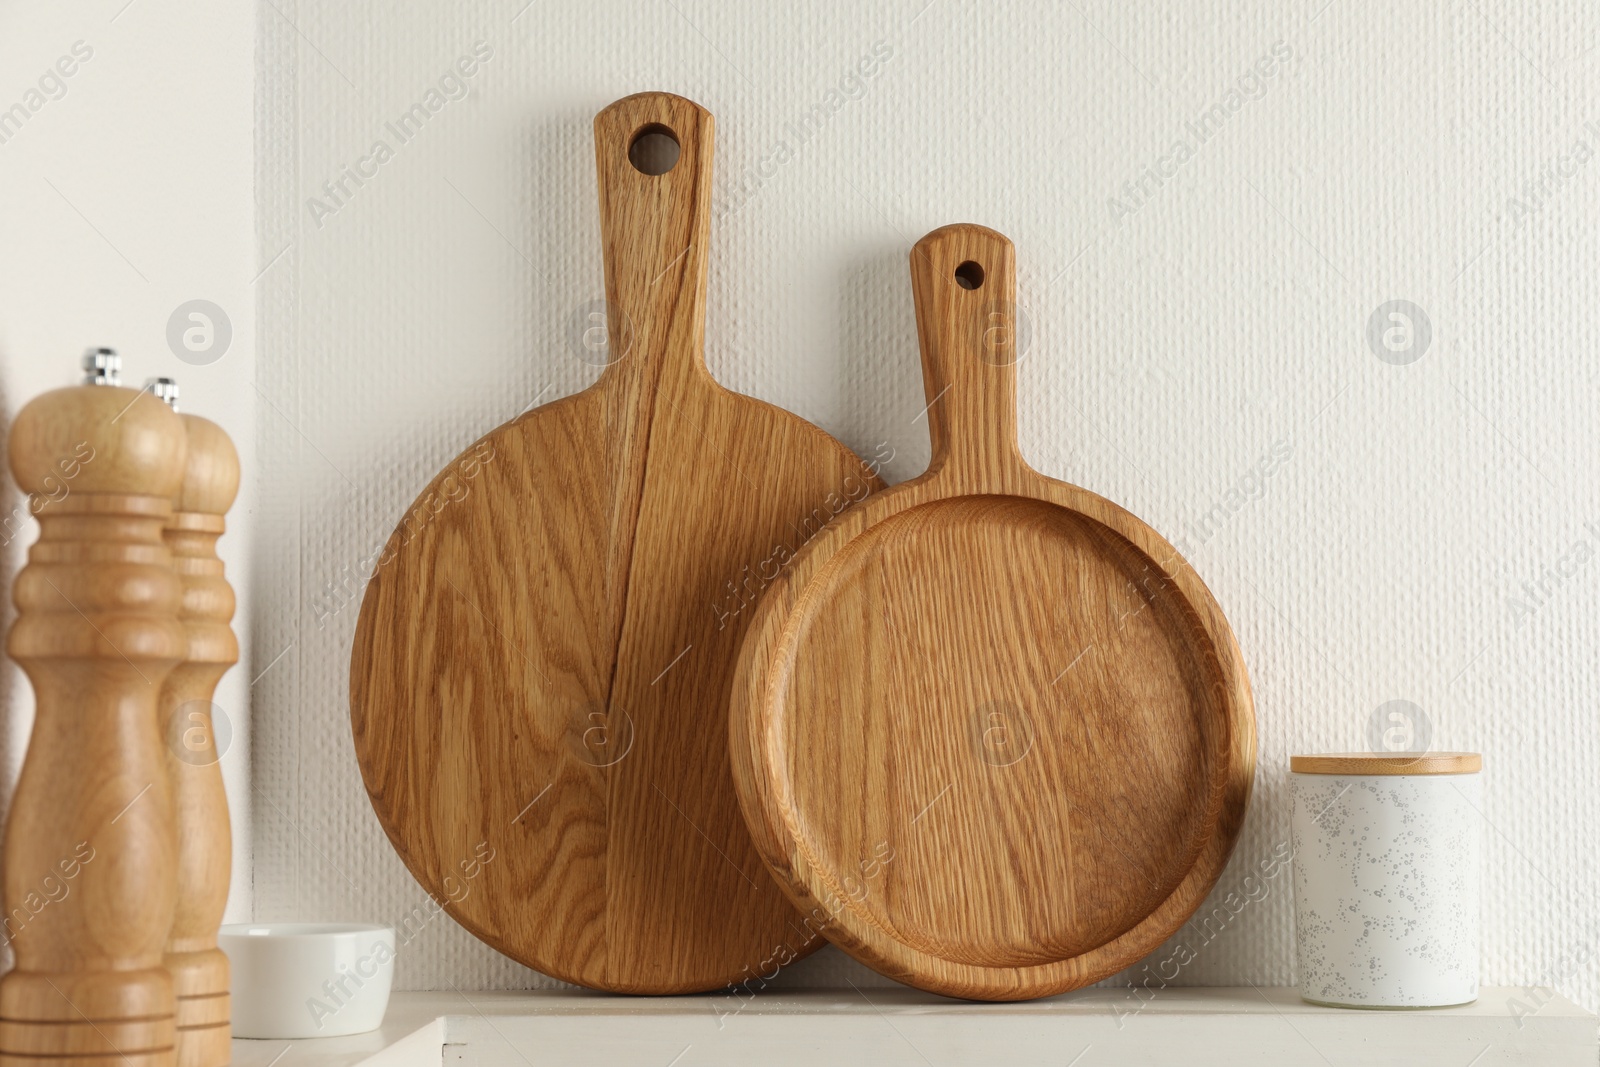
x=542 y=665
x=989 y=730
x=89 y=847
x=200 y=804
x=1387 y=763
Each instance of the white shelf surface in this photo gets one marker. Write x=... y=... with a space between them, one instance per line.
x=1197 y=1027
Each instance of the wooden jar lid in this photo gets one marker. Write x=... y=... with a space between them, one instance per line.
x=1388 y=763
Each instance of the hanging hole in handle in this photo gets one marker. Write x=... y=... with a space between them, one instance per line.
x=969 y=275
x=654 y=150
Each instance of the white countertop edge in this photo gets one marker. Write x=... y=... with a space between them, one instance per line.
x=1239 y=1025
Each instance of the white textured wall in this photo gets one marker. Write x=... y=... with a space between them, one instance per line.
x=1199 y=354
x=126 y=192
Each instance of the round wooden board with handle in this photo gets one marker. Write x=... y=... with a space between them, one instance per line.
x=541 y=671
x=990 y=731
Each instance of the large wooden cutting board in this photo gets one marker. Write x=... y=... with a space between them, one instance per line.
x=541 y=672
x=990 y=730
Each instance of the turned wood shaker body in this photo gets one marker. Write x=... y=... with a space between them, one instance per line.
x=89 y=847
x=199 y=803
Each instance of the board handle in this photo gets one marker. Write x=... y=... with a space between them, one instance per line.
x=653 y=154
x=964 y=281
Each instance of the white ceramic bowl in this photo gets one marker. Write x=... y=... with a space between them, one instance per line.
x=295 y=980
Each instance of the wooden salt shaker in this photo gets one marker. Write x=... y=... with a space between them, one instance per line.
x=200 y=806
x=89 y=846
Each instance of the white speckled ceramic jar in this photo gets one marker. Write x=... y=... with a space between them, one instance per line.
x=1386 y=850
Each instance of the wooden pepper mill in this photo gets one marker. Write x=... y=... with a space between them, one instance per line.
x=89 y=847
x=200 y=805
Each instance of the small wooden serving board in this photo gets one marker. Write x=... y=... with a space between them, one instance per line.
x=989 y=730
